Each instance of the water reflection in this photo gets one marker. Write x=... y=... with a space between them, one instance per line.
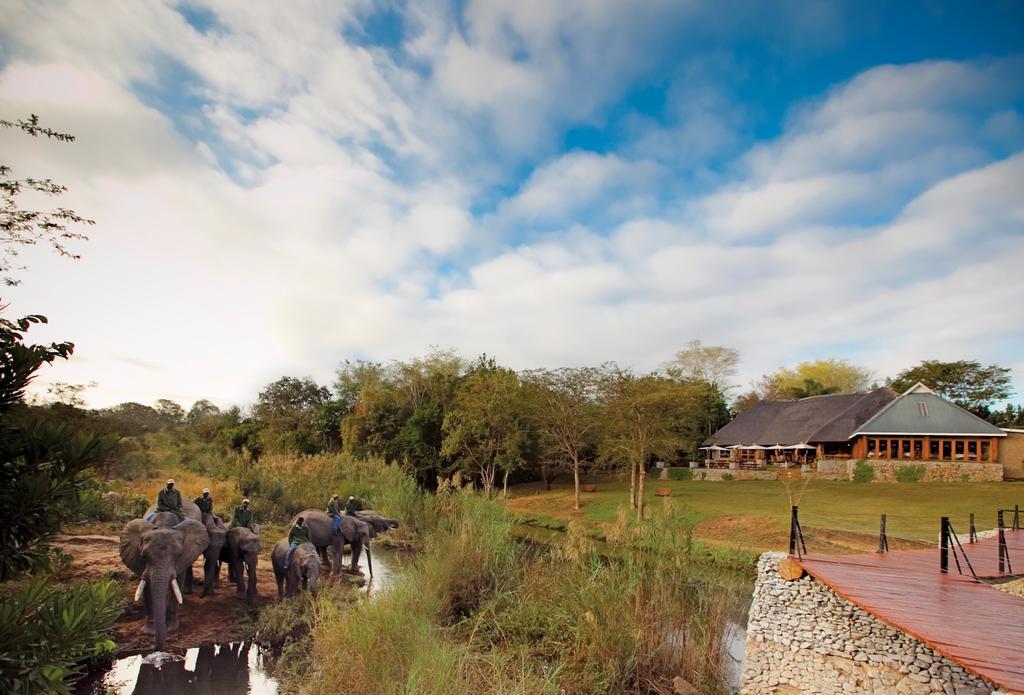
x=229 y=669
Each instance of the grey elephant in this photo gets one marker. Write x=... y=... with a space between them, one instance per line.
x=160 y=552
x=218 y=534
x=191 y=512
x=242 y=550
x=303 y=570
x=353 y=531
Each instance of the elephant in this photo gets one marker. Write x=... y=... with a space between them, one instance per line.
x=218 y=534
x=353 y=530
x=303 y=570
x=242 y=548
x=159 y=553
x=191 y=512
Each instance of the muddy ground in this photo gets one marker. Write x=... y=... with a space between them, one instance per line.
x=221 y=617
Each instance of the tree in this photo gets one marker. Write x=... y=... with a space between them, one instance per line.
x=708 y=363
x=640 y=421
x=814 y=378
x=1012 y=416
x=965 y=382
x=486 y=430
x=20 y=227
x=289 y=408
x=133 y=419
x=564 y=408
x=199 y=411
x=170 y=412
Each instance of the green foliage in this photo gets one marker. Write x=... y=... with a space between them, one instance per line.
x=965 y=382
x=913 y=473
x=47 y=633
x=513 y=617
x=814 y=378
x=486 y=429
x=679 y=473
x=20 y=227
x=863 y=472
x=728 y=476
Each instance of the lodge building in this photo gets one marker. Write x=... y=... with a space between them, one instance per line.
x=919 y=425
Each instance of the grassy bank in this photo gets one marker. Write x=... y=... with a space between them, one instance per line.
x=754 y=515
x=481 y=611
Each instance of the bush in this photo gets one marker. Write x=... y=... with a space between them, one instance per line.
x=678 y=473
x=863 y=472
x=47 y=634
x=728 y=476
x=910 y=474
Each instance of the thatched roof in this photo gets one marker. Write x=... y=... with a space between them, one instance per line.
x=809 y=420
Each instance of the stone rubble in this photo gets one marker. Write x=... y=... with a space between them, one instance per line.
x=803 y=638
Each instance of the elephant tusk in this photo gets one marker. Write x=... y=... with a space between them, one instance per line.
x=142 y=587
x=176 y=590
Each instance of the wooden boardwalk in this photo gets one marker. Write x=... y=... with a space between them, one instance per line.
x=974 y=625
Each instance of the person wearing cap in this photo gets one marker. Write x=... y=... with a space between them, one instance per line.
x=169 y=500
x=243 y=516
x=204 y=502
x=297 y=535
x=334 y=510
x=353 y=505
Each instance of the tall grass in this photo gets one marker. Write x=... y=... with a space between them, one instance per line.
x=482 y=612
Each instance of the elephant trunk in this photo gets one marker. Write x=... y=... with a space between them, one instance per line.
x=158 y=586
x=250 y=593
x=369 y=560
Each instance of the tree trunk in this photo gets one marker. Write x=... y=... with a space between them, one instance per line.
x=640 y=492
x=632 y=485
x=576 y=483
x=504 y=486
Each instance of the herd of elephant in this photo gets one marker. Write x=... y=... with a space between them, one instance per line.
x=160 y=549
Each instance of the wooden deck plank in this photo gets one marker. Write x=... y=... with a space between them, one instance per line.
x=968 y=621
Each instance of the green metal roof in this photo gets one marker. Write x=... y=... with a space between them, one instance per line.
x=921 y=411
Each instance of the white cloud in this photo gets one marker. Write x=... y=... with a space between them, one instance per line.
x=340 y=200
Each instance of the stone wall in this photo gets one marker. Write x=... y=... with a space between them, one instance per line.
x=736 y=473
x=934 y=471
x=803 y=638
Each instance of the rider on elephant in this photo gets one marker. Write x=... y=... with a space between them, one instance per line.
x=353 y=505
x=243 y=516
x=334 y=510
x=204 y=502
x=298 y=535
x=169 y=500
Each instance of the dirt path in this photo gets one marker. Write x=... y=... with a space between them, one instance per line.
x=221 y=617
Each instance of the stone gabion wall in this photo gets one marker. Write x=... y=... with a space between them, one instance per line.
x=736 y=473
x=803 y=638
x=934 y=471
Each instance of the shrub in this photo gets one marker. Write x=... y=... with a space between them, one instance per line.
x=910 y=474
x=678 y=473
x=47 y=634
x=863 y=472
x=727 y=476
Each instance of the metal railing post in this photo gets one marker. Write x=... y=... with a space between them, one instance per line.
x=973 y=534
x=944 y=545
x=883 y=539
x=1003 y=555
x=792 y=530
x=1016 y=517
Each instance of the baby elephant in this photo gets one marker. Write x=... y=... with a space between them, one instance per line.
x=303 y=569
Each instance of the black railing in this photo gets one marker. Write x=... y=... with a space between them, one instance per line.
x=796 y=535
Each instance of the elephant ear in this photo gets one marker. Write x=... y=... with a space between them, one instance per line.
x=365 y=530
x=131 y=544
x=193 y=542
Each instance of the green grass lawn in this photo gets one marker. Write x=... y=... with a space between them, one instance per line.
x=754 y=515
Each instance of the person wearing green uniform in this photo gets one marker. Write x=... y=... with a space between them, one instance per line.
x=243 y=516
x=204 y=502
x=298 y=535
x=353 y=505
x=334 y=510
x=169 y=500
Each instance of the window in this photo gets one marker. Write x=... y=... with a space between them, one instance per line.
x=947 y=450
x=905 y=454
x=918 y=444
x=894 y=448
x=972 y=450
x=933 y=449
x=959 y=450
x=986 y=451
x=872 y=448
x=922 y=408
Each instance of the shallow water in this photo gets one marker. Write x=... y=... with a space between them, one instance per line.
x=734 y=643
x=225 y=669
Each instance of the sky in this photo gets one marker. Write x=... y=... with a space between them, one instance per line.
x=278 y=187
